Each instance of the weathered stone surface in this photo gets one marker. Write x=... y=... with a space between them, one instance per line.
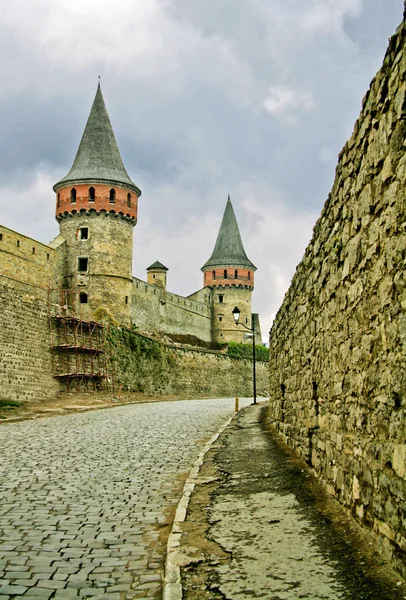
x=337 y=346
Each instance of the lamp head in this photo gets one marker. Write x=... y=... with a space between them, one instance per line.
x=236 y=314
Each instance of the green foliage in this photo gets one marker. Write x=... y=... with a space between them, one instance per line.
x=10 y=403
x=139 y=363
x=244 y=351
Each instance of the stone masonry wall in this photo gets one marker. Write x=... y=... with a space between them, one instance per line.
x=25 y=358
x=144 y=365
x=27 y=264
x=338 y=343
x=153 y=309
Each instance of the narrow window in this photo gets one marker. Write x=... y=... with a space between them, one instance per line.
x=220 y=318
x=47 y=256
x=126 y=299
x=73 y=196
x=246 y=319
x=84 y=233
x=249 y=275
x=112 y=196
x=82 y=264
x=18 y=243
x=214 y=274
x=58 y=200
x=236 y=274
x=92 y=194
x=33 y=250
x=153 y=276
x=221 y=298
x=1 y=237
x=83 y=298
x=129 y=200
x=225 y=273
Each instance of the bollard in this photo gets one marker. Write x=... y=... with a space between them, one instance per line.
x=237 y=401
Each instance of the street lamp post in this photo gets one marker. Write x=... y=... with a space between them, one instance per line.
x=236 y=314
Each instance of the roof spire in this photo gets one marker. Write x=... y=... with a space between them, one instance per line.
x=98 y=158
x=229 y=250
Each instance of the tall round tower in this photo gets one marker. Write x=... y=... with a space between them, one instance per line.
x=96 y=207
x=231 y=275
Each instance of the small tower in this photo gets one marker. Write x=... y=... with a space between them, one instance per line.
x=156 y=275
x=96 y=207
x=231 y=275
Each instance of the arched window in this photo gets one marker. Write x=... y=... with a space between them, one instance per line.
x=249 y=275
x=112 y=196
x=236 y=274
x=92 y=194
x=129 y=200
x=83 y=298
x=73 y=195
x=58 y=200
x=225 y=273
x=214 y=274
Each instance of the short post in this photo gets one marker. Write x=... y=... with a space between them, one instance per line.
x=237 y=402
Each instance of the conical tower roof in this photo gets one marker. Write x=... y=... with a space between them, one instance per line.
x=229 y=250
x=98 y=158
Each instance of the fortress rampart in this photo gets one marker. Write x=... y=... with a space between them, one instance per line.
x=154 y=309
x=27 y=263
x=338 y=343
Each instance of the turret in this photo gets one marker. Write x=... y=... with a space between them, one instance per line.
x=96 y=207
x=156 y=275
x=230 y=273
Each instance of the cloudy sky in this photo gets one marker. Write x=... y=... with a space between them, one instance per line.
x=207 y=97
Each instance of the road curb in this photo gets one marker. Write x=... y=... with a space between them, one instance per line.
x=172 y=589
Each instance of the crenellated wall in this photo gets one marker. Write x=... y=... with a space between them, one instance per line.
x=338 y=343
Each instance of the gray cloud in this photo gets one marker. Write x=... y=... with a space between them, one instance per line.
x=252 y=97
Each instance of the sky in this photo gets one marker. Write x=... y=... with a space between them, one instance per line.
x=252 y=98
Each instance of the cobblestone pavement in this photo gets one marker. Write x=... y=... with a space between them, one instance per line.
x=83 y=498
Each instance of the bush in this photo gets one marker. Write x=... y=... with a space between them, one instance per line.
x=242 y=351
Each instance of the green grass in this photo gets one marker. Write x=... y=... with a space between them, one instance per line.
x=9 y=404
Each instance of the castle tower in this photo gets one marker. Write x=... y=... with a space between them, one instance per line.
x=96 y=207
x=231 y=275
x=156 y=275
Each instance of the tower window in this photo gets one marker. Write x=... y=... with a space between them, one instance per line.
x=18 y=243
x=214 y=274
x=33 y=250
x=236 y=274
x=83 y=298
x=225 y=273
x=73 y=196
x=84 y=233
x=129 y=200
x=47 y=256
x=82 y=264
x=58 y=200
x=92 y=194
x=112 y=196
x=221 y=298
x=249 y=275
x=1 y=237
x=126 y=299
x=220 y=318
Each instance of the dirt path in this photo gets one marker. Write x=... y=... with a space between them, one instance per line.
x=259 y=526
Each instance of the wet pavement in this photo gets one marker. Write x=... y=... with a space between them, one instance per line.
x=273 y=541
x=86 y=500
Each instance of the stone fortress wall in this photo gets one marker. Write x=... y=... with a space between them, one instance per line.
x=155 y=309
x=338 y=343
x=26 y=263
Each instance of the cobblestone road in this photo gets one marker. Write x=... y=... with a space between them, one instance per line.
x=83 y=498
